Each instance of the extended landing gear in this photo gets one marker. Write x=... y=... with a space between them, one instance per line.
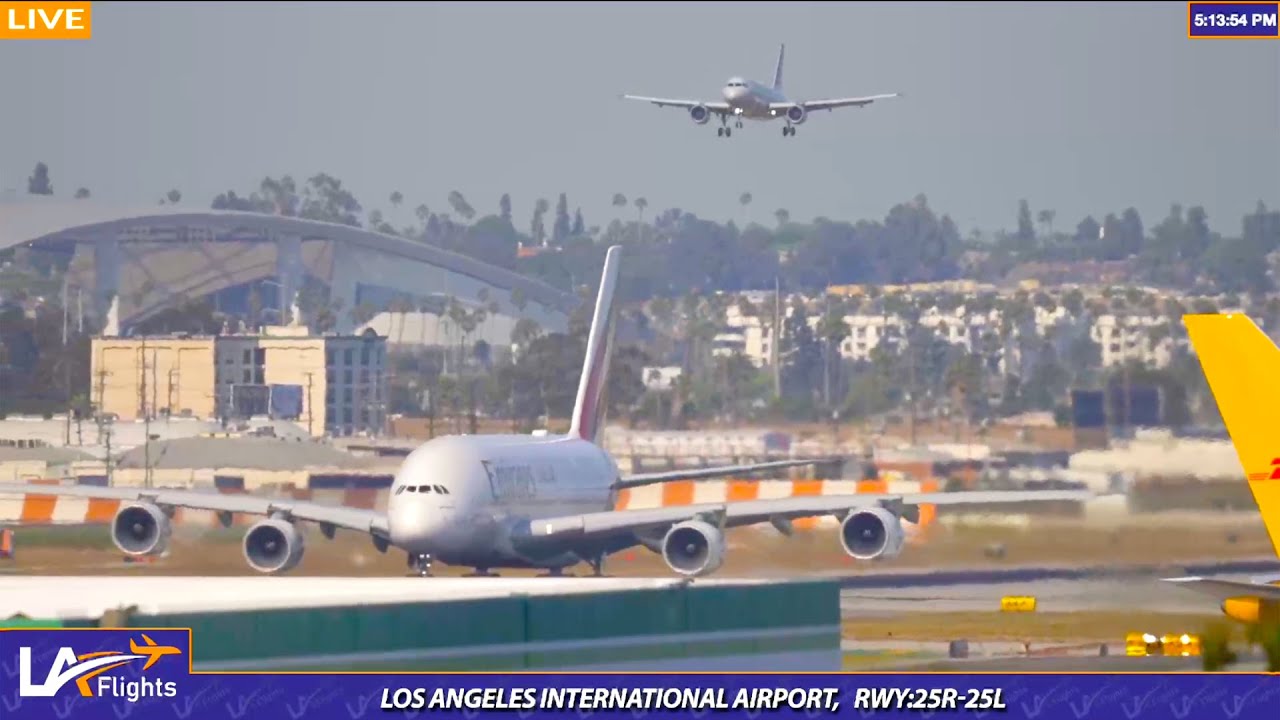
x=419 y=564
x=597 y=566
x=789 y=130
x=724 y=131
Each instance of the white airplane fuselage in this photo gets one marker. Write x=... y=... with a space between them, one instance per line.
x=459 y=498
x=752 y=100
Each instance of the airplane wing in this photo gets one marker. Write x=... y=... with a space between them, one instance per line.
x=721 y=108
x=723 y=471
x=1225 y=589
x=777 y=511
x=833 y=103
x=328 y=517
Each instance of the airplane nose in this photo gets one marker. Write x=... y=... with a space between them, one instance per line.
x=424 y=527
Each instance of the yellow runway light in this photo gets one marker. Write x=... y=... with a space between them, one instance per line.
x=1142 y=645
x=1018 y=603
x=1184 y=645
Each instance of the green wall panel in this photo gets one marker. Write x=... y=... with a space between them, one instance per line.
x=604 y=615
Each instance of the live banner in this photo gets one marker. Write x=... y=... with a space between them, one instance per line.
x=146 y=675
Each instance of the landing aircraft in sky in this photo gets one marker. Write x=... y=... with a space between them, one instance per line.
x=743 y=98
x=518 y=501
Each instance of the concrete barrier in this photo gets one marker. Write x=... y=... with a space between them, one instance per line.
x=461 y=624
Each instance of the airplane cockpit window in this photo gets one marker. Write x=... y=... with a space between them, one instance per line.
x=424 y=489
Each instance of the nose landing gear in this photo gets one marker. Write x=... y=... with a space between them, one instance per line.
x=419 y=564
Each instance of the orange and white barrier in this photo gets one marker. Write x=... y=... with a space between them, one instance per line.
x=675 y=494
x=33 y=509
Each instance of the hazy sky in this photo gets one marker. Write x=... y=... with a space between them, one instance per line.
x=1083 y=108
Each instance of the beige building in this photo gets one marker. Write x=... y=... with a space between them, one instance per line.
x=327 y=384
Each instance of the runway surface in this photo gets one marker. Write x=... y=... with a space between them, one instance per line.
x=1113 y=663
x=1143 y=594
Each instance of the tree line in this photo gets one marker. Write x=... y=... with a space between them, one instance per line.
x=673 y=252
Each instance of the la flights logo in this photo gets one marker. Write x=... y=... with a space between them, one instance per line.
x=128 y=665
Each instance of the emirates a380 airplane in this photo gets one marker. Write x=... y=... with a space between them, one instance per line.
x=516 y=501
x=748 y=99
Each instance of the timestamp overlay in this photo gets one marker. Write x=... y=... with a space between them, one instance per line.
x=1232 y=20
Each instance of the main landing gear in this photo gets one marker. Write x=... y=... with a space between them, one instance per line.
x=419 y=564
x=597 y=565
x=789 y=130
x=724 y=130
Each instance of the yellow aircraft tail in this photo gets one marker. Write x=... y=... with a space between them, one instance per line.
x=1242 y=366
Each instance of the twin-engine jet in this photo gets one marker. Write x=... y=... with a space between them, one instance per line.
x=747 y=99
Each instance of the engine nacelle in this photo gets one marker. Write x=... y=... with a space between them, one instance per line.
x=699 y=114
x=796 y=114
x=273 y=546
x=694 y=548
x=872 y=533
x=141 y=529
x=1251 y=610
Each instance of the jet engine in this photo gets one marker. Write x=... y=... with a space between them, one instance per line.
x=700 y=114
x=796 y=114
x=1251 y=610
x=141 y=529
x=693 y=548
x=871 y=533
x=273 y=546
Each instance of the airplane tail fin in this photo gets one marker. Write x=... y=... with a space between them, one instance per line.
x=589 y=408
x=777 y=71
x=1242 y=366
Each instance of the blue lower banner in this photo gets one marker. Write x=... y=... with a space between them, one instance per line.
x=146 y=674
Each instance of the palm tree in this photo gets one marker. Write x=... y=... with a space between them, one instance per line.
x=525 y=332
x=782 y=216
x=641 y=204
x=461 y=206
x=539 y=228
x=833 y=329
x=396 y=198
x=1045 y=217
x=619 y=200
x=745 y=200
x=82 y=193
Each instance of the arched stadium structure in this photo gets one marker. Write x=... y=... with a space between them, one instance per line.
x=157 y=258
